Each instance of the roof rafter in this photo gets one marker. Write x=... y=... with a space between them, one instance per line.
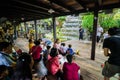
x=26 y=12
x=22 y=2
x=36 y=11
x=37 y=5
x=110 y=6
x=81 y=3
x=62 y=5
x=49 y=7
x=29 y=7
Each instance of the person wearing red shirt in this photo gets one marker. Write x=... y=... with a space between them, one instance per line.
x=35 y=52
x=70 y=68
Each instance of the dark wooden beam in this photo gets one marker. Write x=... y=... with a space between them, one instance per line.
x=30 y=4
x=23 y=12
x=58 y=2
x=36 y=30
x=39 y=5
x=94 y=31
x=28 y=16
x=81 y=3
x=27 y=9
x=70 y=13
x=35 y=18
x=54 y=28
x=17 y=14
x=110 y=6
x=49 y=6
x=32 y=8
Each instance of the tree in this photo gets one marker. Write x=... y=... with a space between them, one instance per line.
x=117 y=17
x=109 y=21
x=105 y=20
x=87 y=22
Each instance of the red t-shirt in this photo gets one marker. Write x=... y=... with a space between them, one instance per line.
x=70 y=71
x=53 y=65
x=36 y=50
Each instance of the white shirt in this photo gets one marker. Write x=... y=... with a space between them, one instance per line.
x=105 y=35
x=99 y=31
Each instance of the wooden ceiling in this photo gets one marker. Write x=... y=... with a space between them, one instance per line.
x=25 y=10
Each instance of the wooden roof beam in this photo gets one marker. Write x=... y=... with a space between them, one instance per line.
x=81 y=3
x=26 y=13
x=110 y=6
x=29 y=4
x=62 y=5
x=29 y=7
x=37 y=5
x=13 y=10
x=49 y=6
x=36 y=11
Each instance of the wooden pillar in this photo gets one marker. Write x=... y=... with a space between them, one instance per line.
x=94 y=32
x=54 y=28
x=26 y=27
x=15 y=31
x=36 y=32
x=25 y=34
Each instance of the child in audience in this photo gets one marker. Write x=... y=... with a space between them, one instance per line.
x=70 y=50
x=63 y=49
x=35 y=52
x=31 y=44
x=53 y=65
x=70 y=69
x=46 y=54
x=57 y=44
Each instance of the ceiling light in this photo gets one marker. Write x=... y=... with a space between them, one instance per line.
x=51 y=11
x=22 y=18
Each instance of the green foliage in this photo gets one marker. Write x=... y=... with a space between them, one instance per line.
x=62 y=18
x=117 y=17
x=105 y=20
x=59 y=26
x=48 y=21
x=87 y=22
x=108 y=22
x=60 y=21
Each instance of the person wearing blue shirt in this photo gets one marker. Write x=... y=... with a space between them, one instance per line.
x=5 y=50
x=70 y=50
x=81 y=31
x=5 y=58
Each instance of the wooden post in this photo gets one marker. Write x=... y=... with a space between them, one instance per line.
x=94 y=32
x=15 y=31
x=54 y=28
x=35 y=22
x=25 y=24
x=26 y=27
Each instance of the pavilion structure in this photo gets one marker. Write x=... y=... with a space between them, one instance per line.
x=27 y=10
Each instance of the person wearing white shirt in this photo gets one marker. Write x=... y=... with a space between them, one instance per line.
x=99 y=32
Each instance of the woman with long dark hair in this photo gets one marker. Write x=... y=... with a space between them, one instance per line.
x=23 y=68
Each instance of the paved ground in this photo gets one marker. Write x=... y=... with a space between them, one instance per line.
x=91 y=70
